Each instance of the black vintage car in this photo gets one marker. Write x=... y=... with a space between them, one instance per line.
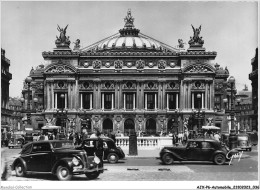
x=197 y=150
x=57 y=157
x=112 y=153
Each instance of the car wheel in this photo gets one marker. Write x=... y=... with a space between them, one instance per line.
x=112 y=158
x=167 y=159
x=92 y=175
x=219 y=159
x=19 y=170
x=63 y=173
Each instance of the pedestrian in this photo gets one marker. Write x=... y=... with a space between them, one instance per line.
x=5 y=173
x=99 y=150
x=46 y=137
x=217 y=137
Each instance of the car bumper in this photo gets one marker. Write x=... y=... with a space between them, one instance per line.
x=86 y=170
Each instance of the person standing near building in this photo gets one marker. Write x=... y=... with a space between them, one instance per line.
x=99 y=150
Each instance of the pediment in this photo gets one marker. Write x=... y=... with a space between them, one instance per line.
x=198 y=68
x=60 y=67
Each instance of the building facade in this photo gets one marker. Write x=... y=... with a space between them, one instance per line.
x=253 y=76
x=129 y=82
x=6 y=76
x=16 y=117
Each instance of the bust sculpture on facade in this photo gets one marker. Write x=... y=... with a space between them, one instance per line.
x=77 y=44
x=62 y=40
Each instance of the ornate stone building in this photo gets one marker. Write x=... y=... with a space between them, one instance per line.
x=129 y=82
x=253 y=76
x=6 y=76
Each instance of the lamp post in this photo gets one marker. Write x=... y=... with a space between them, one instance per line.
x=232 y=136
x=62 y=114
x=28 y=110
x=198 y=115
x=238 y=115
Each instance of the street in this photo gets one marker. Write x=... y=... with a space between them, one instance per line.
x=151 y=169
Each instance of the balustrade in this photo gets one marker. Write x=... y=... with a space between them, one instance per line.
x=144 y=142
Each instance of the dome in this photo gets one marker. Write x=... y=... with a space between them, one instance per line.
x=129 y=38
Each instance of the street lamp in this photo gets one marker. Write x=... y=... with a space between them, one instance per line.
x=198 y=114
x=232 y=136
x=62 y=114
x=238 y=115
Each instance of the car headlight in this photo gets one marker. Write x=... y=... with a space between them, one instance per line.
x=75 y=161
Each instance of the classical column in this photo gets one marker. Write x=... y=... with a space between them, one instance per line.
x=189 y=95
x=155 y=98
x=145 y=101
x=66 y=99
x=102 y=101
x=48 y=95
x=206 y=95
x=52 y=98
x=177 y=101
x=91 y=101
x=112 y=101
x=124 y=101
x=167 y=101
x=56 y=101
x=81 y=101
x=134 y=102
x=202 y=100
x=192 y=100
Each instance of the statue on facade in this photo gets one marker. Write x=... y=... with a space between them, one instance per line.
x=77 y=44
x=62 y=40
x=196 y=39
x=129 y=20
x=181 y=43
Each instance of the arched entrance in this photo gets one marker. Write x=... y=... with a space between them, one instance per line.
x=107 y=126
x=150 y=126
x=129 y=127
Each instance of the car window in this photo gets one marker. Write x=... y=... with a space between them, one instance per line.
x=194 y=144
x=62 y=144
x=27 y=149
x=42 y=147
x=206 y=145
x=89 y=143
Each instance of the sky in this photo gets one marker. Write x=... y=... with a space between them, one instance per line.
x=29 y=28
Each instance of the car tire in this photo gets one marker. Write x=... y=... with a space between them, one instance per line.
x=92 y=175
x=63 y=173
x=19 y=170
x=112 y=158
x=167 y=159
x=219 y=159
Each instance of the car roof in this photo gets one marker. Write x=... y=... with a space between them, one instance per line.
x=203 y=139
x=95 y=138
x=50 y=141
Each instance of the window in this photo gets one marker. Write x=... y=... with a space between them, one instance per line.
x=172 y=101
x=27 y=149
x=43 y=147
x=129 y=98
x=151 y=101
x=194 y=145
x=61 y=98
x=206 y=145
x=107 y=101
x=86 y=100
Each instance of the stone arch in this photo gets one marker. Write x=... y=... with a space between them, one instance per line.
x=172 y=125
x=150 y=126
x=107 y=125
x=129 y=126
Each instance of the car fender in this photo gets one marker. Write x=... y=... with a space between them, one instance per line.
x=64 y=161
x=17 y=160
x=217 y=152
x=176 y=156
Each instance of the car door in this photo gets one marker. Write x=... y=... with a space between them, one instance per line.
x=193 y=150
x=40 y=158
x=207 y=149
x=89 y=147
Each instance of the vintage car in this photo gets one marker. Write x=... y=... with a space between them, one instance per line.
x=200 y=149
x=16 y=141
x=112 y=153
x=57 y=157
x=243 y=142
